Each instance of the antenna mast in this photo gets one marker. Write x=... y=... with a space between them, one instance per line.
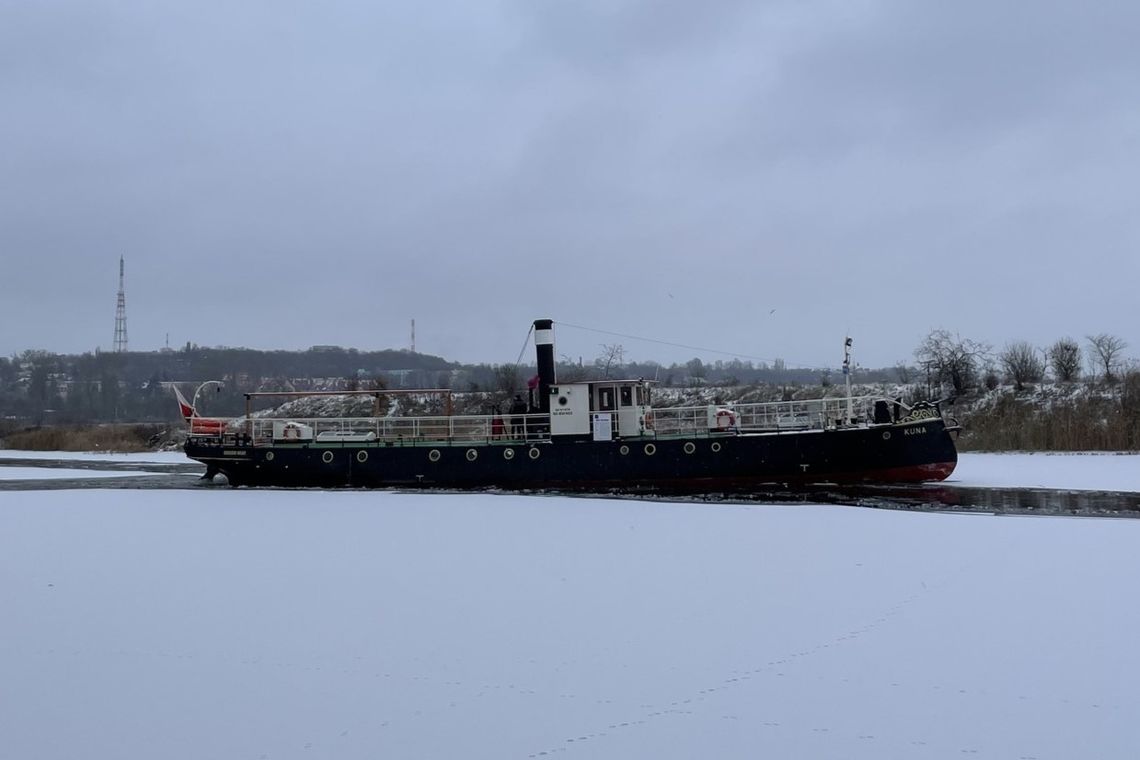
x=413 y=336
x=847 y=375
x=121 y=315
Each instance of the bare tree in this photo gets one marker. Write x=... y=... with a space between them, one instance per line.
x=990 y=377
x=612 y=357
x=1022 y=364
x=1104 y=354
x=950 y=359
x=507 y=380
x=1065 y=359
x=1130 y=403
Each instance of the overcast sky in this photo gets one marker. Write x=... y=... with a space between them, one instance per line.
x=754 y=177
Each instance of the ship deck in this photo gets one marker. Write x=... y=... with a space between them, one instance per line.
x=706 y=421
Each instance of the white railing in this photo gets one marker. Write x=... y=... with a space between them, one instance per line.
x=395 y=430
x=799 y=415
x=772 y=416
x=777 y=416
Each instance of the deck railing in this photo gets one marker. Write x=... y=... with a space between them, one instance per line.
x=709 y=420
x=395 y=430
x=772 y=416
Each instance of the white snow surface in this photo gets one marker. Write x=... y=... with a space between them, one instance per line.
x=58 y=473
x=304 y=624
x=145 y=457
x=1064 y=471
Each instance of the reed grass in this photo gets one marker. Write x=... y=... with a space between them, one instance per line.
x=116 y=438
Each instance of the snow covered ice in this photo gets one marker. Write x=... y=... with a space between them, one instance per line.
x=8 y=472
x=1065 y=471
x=298 y=624
x=145 y=457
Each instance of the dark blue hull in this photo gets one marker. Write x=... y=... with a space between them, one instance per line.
x=890 y=453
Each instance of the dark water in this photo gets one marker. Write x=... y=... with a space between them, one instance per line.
x=926 y=497
x=935 y=497
x=160 y=476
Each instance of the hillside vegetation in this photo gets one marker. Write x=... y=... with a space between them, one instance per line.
x=1063 y=398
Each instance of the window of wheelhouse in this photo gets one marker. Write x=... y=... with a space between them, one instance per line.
x=642 y=395
x=606 y=399
x=626 y=395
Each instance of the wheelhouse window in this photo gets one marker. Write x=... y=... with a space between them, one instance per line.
x=626 y=395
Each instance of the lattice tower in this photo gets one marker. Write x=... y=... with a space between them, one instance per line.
x=121 y=315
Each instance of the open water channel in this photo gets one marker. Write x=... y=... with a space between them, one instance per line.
x=927 y=497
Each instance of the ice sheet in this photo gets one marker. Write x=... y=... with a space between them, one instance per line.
x=1067 y=471
x=148 y=457
x=298 y=624
x=59 y=473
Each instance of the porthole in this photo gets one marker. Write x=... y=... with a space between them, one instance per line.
x=362 y=456
x=472 y=455
x=269 y=456
x=433 y=455
x=508 y=454
x=327 y=457
x=886 y=435
x=690 y=447
x=650 y=449
x=624 y=450
x=715 y=447
x=534 y=453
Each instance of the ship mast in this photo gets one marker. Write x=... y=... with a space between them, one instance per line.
x=847 y=375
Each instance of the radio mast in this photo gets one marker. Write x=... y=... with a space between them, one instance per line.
x=121 y=315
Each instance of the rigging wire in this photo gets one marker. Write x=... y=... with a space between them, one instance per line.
x=526 y=342
x=688 y=347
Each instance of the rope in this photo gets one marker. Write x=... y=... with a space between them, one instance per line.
x=526 y=342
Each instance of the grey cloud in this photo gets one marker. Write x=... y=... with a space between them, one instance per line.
x=323 y=173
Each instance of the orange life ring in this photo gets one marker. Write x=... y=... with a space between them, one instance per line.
x=291 y=433
x=728 y=416
x=648 y=420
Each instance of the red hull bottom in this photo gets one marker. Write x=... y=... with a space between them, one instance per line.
x=919 y=473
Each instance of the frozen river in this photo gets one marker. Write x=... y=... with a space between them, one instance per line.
x=210 y=622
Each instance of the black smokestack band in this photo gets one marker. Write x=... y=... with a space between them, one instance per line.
x=544 y=349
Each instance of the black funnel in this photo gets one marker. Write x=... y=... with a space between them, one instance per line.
x=544 y=349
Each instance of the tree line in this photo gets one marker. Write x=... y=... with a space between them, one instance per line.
x=961 y=364
x=1094 y=404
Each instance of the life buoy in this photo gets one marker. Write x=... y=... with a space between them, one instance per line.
x=725 y=418
x=648 y=420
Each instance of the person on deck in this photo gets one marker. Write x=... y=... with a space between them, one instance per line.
x=518 y=408
x=496 y=422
